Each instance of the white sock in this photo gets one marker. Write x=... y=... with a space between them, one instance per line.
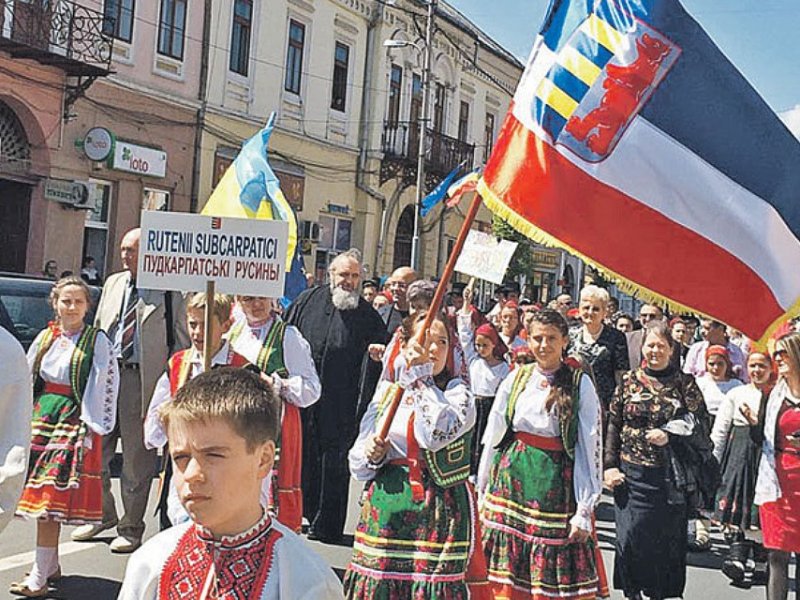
x=45 y=564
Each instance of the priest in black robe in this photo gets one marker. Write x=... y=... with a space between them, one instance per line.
x=339 y=325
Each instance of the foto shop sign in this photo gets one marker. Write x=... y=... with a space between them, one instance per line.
x=141 y=160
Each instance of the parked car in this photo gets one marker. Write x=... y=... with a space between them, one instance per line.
x=25 y=305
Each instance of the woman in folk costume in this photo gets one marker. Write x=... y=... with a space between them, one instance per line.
x=416 y=534
x=282 y=353
x=485 y=353
x=737 y=439
x=540 y=475
x=75 y=402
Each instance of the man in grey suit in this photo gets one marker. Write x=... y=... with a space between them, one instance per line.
x=146 y=327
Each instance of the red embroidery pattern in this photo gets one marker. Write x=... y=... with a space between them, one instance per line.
x=242 y=565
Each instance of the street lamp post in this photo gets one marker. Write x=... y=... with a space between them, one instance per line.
x=423 y=133
x=427 y=58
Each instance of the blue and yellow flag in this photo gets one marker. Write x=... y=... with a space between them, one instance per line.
x=251 y=190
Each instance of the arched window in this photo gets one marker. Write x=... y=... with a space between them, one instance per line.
x=402 y=238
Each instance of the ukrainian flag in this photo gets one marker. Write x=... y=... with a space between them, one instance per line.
x=251 y=190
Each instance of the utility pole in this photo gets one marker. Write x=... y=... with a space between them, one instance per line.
x=423 y=131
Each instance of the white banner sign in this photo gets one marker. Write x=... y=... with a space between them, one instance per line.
x=484 y=257
x=139 y=159
x=183 y=251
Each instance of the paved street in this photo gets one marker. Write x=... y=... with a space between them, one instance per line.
x=93 y=573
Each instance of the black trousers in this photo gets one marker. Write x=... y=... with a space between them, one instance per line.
x=326 y=476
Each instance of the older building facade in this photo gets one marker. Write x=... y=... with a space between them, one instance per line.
x=155 y=108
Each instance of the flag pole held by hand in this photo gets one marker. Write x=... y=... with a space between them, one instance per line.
x=419 y=337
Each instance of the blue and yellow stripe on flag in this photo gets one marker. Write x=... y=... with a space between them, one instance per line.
x=251 y=190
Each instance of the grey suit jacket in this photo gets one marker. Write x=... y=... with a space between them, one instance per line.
x=151 y=325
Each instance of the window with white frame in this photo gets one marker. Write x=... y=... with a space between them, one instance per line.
x=240 y=36
x=341 y=66
x=171 y=28
x=118 y=19
x=155 y=199
x=294 y=57
x=95 y=232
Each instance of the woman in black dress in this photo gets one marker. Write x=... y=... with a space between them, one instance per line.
x=654 y=410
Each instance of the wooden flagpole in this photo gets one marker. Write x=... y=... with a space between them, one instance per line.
x=437 y=301
x=210 y=290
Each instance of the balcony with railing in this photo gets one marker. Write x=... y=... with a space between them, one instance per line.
x=60 y=33
x=400 y=146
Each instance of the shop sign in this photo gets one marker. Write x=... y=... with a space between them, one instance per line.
x=139 y=159
x=98 y=143
x=338 y=209
x=65 y=191
x=546 y=259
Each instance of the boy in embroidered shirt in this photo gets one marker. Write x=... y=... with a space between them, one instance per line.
x=182 y=366
x=221 y=428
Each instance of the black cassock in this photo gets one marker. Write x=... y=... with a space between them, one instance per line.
x=338 y=340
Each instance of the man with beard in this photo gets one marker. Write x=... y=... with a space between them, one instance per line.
x=339 y=325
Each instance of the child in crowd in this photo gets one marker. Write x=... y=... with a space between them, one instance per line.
x=540 y=475
x=181 y=367
x=222 y=427
x=75 y=402
x=416 y=534
x=282 y=353
x=485 y=353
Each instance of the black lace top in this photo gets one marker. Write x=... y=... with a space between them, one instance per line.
x=646 y=400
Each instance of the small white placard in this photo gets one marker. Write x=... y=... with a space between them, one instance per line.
x=484 y=257
x=183 y=251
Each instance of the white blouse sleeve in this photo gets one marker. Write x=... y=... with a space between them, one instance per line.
x=440 y=417
x=494 y=432
x=466 y=336
x=154 y=434
x=768 y=488
x=33 y=349
x=588 y=456
x=722 y=424
x=360 y=468
x=302 y=388
x=99 y=402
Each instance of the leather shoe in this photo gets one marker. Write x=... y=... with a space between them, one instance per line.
x=84 y=533
x=124 y=545
x=325 y=538
x=22 y=589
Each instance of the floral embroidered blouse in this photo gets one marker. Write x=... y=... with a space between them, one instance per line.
x=440 y=417
x=647 y=400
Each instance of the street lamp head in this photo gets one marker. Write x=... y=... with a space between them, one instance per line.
x=396 y=43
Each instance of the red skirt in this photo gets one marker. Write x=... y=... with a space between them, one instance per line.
x=780 y=520
x=64 y=482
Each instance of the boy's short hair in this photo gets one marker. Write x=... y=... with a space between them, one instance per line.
x=223 y=305
x=237 y=396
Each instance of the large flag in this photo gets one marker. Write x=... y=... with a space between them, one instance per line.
x=249 y=189
x=633 y=142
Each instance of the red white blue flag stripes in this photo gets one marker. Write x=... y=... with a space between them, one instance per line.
x=633 y=142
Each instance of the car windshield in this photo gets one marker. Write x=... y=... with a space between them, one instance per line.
x=29 y=312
